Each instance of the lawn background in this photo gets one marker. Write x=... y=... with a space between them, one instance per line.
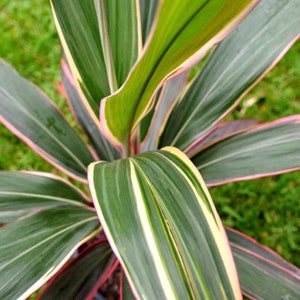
x=267 y=209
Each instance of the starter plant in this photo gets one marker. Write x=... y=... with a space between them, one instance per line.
x=150 y=84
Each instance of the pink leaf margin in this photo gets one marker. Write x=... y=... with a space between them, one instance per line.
x=293 y=119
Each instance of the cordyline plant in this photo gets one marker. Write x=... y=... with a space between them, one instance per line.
x=152 y=129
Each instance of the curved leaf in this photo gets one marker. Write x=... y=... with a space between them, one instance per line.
x=29 y=256
x=183 y=29
x=266 y=150
x=262 y=272
x=163 y=227
x=167 y=98
x=30 y=115
x=85 y=117
x=22 y=193
x=80 y=278
x=238 y=63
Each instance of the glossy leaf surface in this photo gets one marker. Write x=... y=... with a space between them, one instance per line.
x=163 y=227
x=183 y=29
x=22 y=193
x=30 y=115
x=266 y=150
x=262 y=272
x=238 y=63
x=80 y=278
x=29 y=256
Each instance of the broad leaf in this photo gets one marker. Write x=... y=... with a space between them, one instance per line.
x=80 y=279
x=238 y=63
x=30 y=115
x=262 y=272
x=183 y=29
x=266 y=150
x=85 y=117
x=162 y=225
x=29 y=256
x=22 y=193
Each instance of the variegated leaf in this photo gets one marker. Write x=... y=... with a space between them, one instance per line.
x=162 y=225
x=29 y=255
x=30 y=115
x=237 y=64
x=184 y=30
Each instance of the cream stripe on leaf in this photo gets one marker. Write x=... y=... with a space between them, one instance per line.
x=163 y=227
x=29 y=258
x=184 y=31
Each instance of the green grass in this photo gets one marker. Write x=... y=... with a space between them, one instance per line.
x=29 y=42
x=267 y=209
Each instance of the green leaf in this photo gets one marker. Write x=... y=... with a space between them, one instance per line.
x=162 y=225
x=121 y=43
x=238 y=63
x=101 y=42
x=222 y=132
x=126 y=293
x=262 y=272
x=168 y=97
x=22 y=193
x=80 y=279
x=184 y=30
x=30 y=115
x=77 y=25
x=148 y=11
x=29 y=256
x=266 y=150
x=86 y=118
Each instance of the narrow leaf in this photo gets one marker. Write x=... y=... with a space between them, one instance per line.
x=86 y=118
x=101 y=42
x=167 y=99
x=120 y=40
x=125 y=292
x=222 y=132
x=22 y=193
x=183 y=29
x=238 y=63
x=262 y=272
x=77 y=25
x=29 y=256
x=163 y=227
x=148 y=10
x=268 y=149
x=81 y=277
x=29 y=114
